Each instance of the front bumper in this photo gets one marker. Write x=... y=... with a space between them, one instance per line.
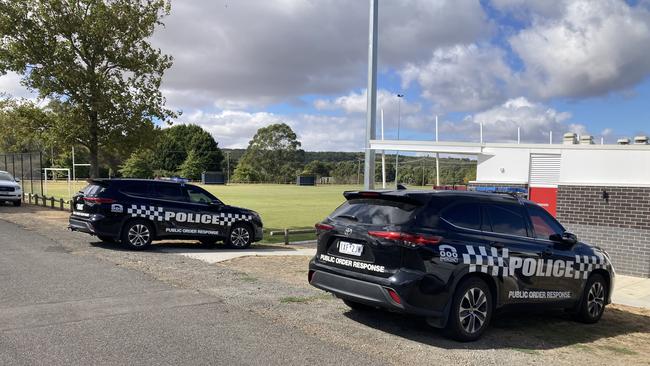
x=11 y=197
x=413 y=289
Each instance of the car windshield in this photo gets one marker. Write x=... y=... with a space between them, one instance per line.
x=374 y=211
x=6 y=176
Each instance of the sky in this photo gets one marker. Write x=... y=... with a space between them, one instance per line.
x=578 y=66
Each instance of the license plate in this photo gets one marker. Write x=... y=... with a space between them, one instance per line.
x=350 y=248
x=80 y=206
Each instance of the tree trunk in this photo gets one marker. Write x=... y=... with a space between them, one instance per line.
x=93 y=145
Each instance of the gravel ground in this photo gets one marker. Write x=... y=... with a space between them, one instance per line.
x=275 y=288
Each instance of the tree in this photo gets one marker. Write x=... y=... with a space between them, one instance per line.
x=138 y=165
x=317 y=168
x=24 y=126
x=179 y=141
x=273 y=155
x=94 y=57
x=193 y=166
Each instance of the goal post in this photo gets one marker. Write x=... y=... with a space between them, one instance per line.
x=47 y=170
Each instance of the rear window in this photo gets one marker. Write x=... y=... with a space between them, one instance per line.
x=136 y=189
x=168 y=191
x=507 y=219
x=465 y=215
x=93 y=189
x=374 y=211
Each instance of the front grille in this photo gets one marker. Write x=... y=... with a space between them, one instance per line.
x=7 y=189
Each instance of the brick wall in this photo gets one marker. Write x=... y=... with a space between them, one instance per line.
x=620 y=224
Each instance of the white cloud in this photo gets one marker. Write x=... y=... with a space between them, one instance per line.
x=252 y=53
x=501 y=122
x=358 y=102
x=234 y=129
x=10 y=85
x=461 y=77
x=593 y=48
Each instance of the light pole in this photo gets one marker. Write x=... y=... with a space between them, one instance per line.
x=399 y=117
x=228 y=167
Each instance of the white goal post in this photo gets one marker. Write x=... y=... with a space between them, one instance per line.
x=66 y=170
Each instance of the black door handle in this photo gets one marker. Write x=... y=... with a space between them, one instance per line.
x=496 y=245
x=547 y=252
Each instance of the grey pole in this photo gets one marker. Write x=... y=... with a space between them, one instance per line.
x=369 y=167
x=399 y=118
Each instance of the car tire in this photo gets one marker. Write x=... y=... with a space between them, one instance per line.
x=357 y=306
x=137 y=234
x=592 y=303
x=471 y=310
x=18 y=203
x=240 y=236
x=107 y=239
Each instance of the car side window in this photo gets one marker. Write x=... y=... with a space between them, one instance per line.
x=465 y=215
x=544 y=225
x=198 y=195
x=136 y=189
x=170 y=192
x=507 y=219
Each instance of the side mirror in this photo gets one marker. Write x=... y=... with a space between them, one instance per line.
x=17 y=180
x=566 y=237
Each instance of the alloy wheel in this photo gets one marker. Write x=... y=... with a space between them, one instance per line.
x=473 y=310
x=595 y=299
x=138 y=235
x=239 y=237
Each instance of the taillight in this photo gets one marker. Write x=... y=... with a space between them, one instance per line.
x=98 y=200
x=406 y=238
x=394 y=295
x=323 y=227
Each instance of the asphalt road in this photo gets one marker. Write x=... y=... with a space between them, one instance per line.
x=57 y=308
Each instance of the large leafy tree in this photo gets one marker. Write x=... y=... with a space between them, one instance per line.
x=94 y=57
x=182 y=142
x=273 y=155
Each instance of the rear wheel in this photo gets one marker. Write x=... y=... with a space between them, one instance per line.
x=137 y=234
x=17 y=203
x=241 y=236
x=471 y=310
x=592 y=304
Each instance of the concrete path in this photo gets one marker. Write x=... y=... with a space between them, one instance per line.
x=632 y=291
x=220 y=255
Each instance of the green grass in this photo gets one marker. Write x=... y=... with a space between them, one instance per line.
x=280 y=205
x=620 y=350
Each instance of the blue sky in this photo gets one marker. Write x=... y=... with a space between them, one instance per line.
x=567 y=65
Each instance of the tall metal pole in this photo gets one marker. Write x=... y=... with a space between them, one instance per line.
x=383 y=154
x=228 y=167
x=399 y=118
x=437 y=157
x=369 y=168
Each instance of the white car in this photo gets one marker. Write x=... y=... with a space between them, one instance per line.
x=10 y=190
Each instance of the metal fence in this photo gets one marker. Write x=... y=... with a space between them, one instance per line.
x=27 y=167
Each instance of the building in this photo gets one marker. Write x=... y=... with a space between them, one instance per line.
x=599 y=192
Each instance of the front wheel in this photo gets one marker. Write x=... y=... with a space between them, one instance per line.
x=592 y=304
x=241 y=236
x=137 y=235
x=17 y=203
x=471 y=310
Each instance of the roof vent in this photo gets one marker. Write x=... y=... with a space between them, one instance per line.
x=586 y=140
x=624 y=141
x=570 y=138
x=640 y=140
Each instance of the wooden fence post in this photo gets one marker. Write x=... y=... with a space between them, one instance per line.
x=286 y=236
x=61 y=204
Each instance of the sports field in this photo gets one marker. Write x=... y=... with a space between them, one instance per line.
x=281 y=206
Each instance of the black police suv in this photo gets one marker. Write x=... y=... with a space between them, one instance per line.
x=455 y=257
x=137 y=211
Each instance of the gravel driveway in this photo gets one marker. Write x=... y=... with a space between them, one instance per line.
x=275 y=289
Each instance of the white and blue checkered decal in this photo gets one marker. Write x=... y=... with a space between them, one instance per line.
x=498 y=262
x=157 y=213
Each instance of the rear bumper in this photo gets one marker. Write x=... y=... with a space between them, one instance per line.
x=375 y=291
x=93 y=224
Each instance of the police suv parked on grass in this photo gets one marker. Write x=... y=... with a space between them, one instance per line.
x=455 y=257
x=10 y=190
x=136 y=211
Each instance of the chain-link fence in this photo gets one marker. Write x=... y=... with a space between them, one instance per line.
x=27 y=167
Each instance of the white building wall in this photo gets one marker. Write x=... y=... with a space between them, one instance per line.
x=605 y=167
x=503 y=165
